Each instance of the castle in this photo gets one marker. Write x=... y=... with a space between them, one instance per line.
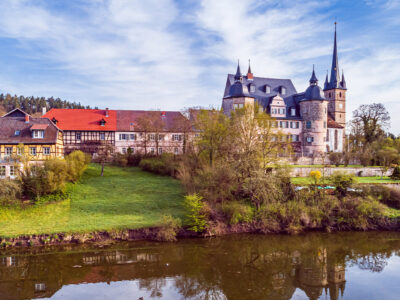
x=314 y=121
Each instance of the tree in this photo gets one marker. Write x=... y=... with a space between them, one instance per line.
x=372 y=120
x=104 y=155
x=151 y=125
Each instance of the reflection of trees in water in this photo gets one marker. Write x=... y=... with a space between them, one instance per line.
x=153 y=285
x=374 y=263
x=191 y=288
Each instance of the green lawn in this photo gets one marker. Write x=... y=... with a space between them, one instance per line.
x=123 y=198
x=376 y=179
x=331 y=166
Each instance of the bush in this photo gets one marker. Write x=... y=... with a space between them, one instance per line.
x=237 y=212
x=386 y=195
x=56 y=174
x=342 y=181
x=163 y=165
x=120 y=160
x=168 y=229
x=196 y=218
x=10 y=191
x=77 y=163
x=336 y=158
x=396 y=173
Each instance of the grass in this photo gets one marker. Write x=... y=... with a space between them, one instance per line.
x=374 y=179
x=123 y=198
x=331 y=166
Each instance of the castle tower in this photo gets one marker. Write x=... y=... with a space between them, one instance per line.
x=238 y=96
x=313 y=110
x=335 y=90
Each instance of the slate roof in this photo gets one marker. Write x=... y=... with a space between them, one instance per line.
x=83 y=119
x=9 y=124
x=333 y=124
x=291 y=96
x=127 y=120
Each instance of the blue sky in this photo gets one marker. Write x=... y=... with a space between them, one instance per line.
x=168 y=55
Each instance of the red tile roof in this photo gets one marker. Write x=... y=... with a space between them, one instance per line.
x=127 y=120
x=83 y=119
x=39 y=126
x=333 y=124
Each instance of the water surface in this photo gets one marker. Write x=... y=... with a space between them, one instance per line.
x=310 y=266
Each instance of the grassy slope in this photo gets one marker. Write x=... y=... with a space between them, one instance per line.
x=123 y=198
x=307 y=180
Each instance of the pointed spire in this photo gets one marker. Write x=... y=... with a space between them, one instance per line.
x=238 y=75
x=335 y=76
x=343 y=82
x=249 y=73
x=313 y=79
x=326 y=84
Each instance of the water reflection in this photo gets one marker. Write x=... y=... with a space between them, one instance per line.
x=235 y=267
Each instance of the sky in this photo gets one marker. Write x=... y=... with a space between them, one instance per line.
x=171 y=55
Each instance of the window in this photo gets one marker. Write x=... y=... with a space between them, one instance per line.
x=292 y=112
x=336 y=139
x=46 y=150
x=123 y=137
x=283 y=111
x=160 y=137
x=20 y=150
x=152 y=150
x=133 y=137
x=310 y=139
x=159 y=150
x=124 y=150
x=176 y=151
x=176 y=137
x=38 y=134
x=32 y=151
x=152 y=137
x=297 y=124
x=327 y=135
x=283 y=90
x=40 y=287
x=295 y=138
x=340 y=105
x=78 y=136
x=2 y=171
x=9 y=151
x=273 y=138
x=267 y=89
x=102 y=136
x=308 y=124
x=17 y=132
x=131 y=149
x=252 y=88
x=13 y=171
x=102 y=122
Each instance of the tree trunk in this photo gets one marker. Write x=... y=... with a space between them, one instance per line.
x=102 y=169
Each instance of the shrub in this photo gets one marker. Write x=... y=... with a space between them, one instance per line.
x=336 y=158
x=56 y=174
x=196 y=218
x=342 y=181
x=163 y=165
x=77 y=162
x=10 y=190
x=237 y=212
x=120 y=160
x=386 y=195
x=396 y=173
x=168 y=229
x=315 y=176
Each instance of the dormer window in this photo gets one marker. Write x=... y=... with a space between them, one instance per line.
x=267 y=89
x=54 y=120
x=252 y=88
x=37 y=134
x=293 y=111
x=283 y=90
x=102 y=122
x=17 y=132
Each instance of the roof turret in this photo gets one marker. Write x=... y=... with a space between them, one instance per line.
x=238 y=75
x=313 y=79
x=343 y=82
x=313 y=92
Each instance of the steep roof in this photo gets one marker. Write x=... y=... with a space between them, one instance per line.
x=10 y=125
x=83 y=119
x=333 y=124
x=128 y=120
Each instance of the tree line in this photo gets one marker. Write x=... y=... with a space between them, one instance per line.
x=33 y=105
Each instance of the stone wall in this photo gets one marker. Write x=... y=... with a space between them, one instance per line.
x=365 y=172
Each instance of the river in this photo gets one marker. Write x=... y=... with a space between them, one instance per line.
x=364 y=265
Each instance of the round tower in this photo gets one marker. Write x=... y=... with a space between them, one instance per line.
x=314 y=111
x=238 y=96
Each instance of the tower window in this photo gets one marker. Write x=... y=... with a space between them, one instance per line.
x=308 y=124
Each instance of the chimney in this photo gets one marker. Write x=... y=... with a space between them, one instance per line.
x=249 y=73
x=107 y=112
x=26 y=118
x=163 y=114
x=44 y=110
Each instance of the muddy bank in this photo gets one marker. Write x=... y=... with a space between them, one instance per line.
x=215 y=229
